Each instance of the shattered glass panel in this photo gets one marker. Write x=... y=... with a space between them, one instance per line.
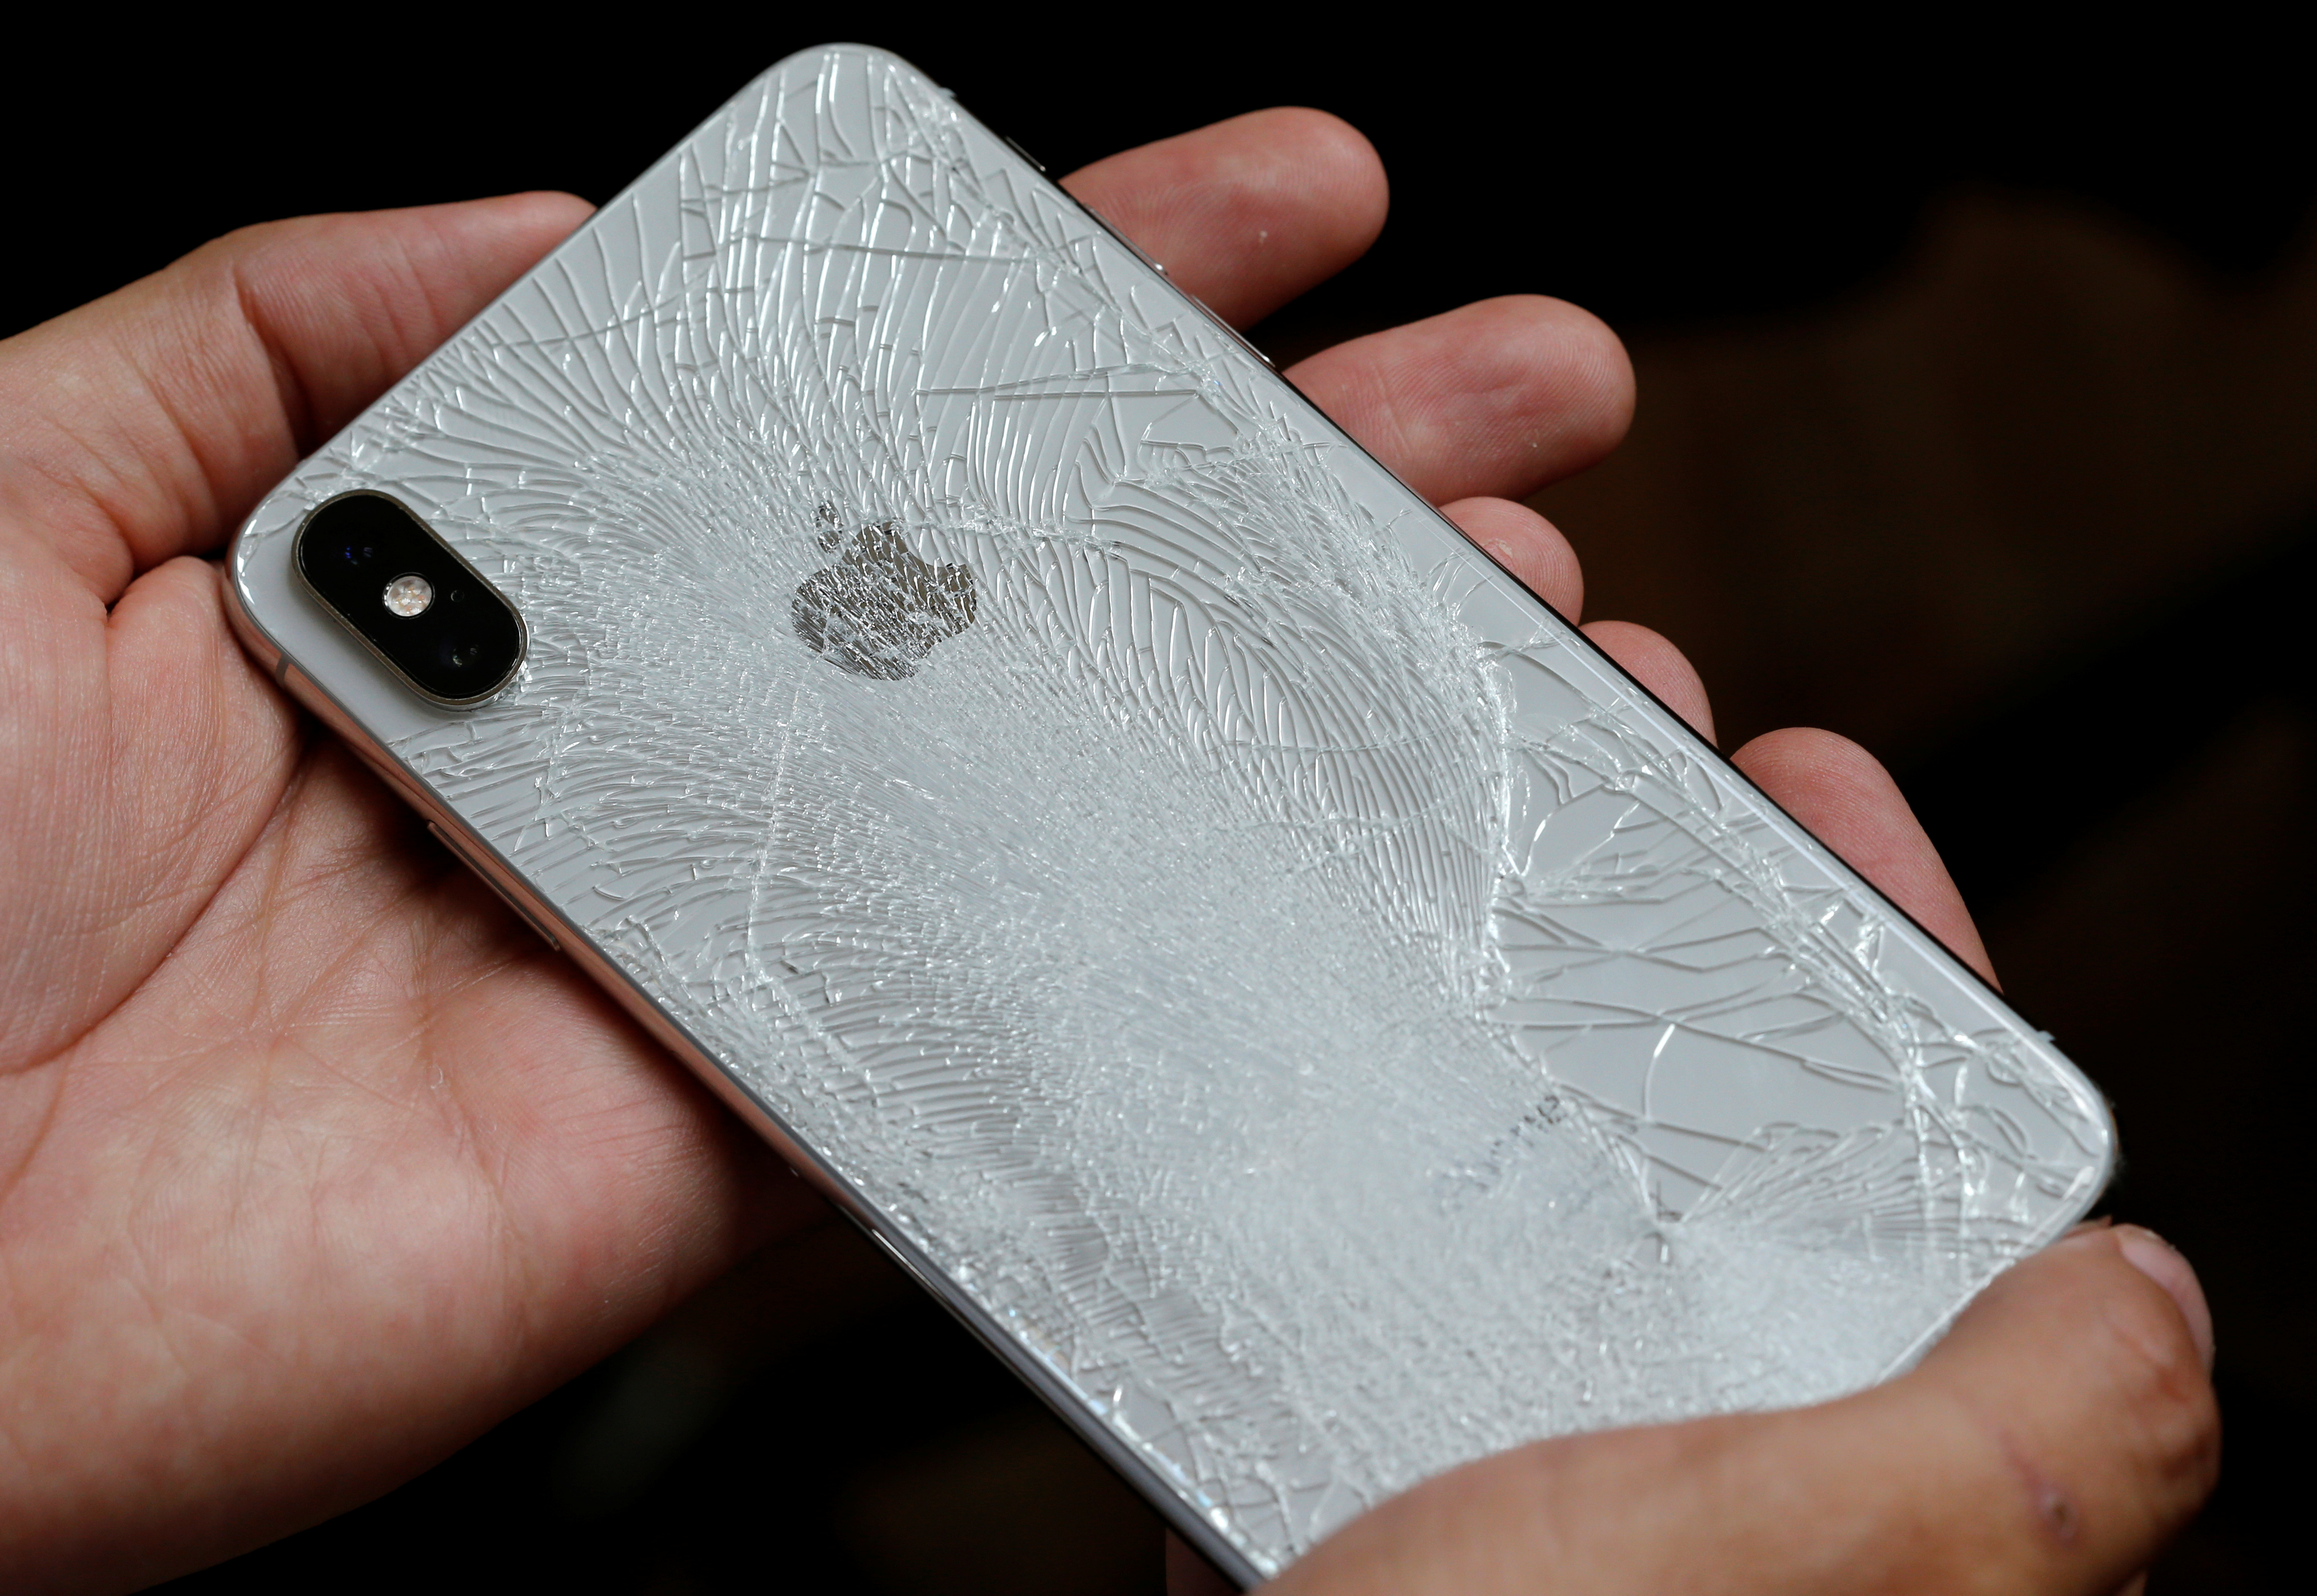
x=1291 y=989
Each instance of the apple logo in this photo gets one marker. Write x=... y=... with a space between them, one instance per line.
x=879 y=609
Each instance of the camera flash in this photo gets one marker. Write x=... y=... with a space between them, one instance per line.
x=409 y=596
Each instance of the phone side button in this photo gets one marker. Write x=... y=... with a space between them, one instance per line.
x=489 y=880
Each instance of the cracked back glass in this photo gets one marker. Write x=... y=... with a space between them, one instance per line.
x=1306 y=1009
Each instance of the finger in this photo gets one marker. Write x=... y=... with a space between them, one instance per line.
x=1655 y=663
x=1247 y=213
x=2059 y=1436
x=152 y=752
x=1500 y=398
x=145 y=425
x=1528 y=545
x=1845 y=798
x=2087 y=1469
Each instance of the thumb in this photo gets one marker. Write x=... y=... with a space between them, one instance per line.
x=2063 y=1431
x=144 y=425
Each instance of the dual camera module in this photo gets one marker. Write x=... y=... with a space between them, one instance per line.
x=425 y=611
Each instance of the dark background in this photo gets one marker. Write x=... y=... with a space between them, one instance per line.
x=1978 y=421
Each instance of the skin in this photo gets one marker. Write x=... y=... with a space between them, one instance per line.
x=314 y=1164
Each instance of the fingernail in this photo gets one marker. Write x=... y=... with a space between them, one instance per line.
x=2154 y=1257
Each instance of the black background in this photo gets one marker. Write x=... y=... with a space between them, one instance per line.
x=1655 y=174
x=1667 y=177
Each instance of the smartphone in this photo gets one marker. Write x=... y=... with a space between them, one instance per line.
x=1307 y=1010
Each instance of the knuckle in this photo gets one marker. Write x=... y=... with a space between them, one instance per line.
x=256 y=239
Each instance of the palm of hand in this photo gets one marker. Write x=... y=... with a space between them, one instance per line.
x=315 y=1162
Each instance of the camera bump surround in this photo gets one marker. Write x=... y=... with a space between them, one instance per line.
x=449 y=635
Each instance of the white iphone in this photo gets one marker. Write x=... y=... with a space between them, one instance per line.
x=1303 y=1007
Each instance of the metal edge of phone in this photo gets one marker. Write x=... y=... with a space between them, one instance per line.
x=485 y=862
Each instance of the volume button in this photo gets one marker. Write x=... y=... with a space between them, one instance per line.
x=490 y=879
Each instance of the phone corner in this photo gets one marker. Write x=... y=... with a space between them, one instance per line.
x=2096 y=1136
x=855 y=49
x=239 y=603
x=2101 y=1174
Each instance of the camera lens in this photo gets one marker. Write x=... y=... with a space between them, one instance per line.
x=390 y=578
x=408 y=594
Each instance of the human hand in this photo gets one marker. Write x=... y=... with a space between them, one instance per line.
x=316 y=1163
